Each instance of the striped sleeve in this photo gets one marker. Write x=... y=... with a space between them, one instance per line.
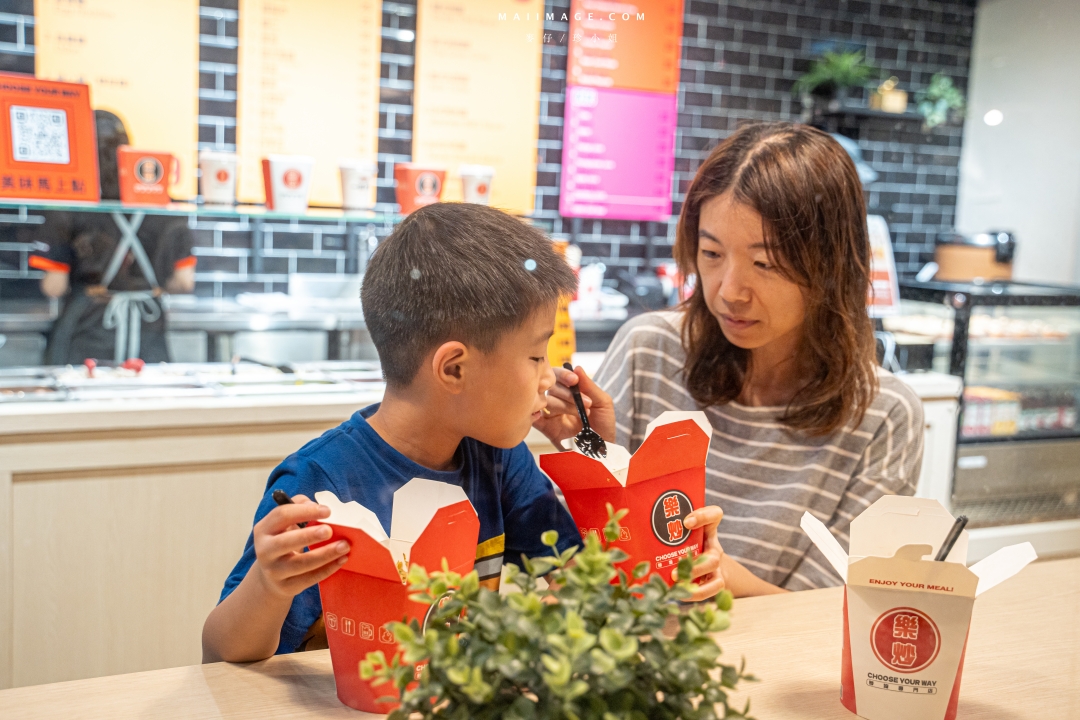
x=889 y=465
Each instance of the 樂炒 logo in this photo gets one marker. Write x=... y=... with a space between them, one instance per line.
x=905 y=640
x=148 y=171
x=668 y=513
x=292 y=178
x=427 y=184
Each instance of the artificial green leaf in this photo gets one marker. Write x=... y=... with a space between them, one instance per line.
x=587 y=648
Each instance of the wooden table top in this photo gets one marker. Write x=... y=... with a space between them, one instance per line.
x=1023 y=661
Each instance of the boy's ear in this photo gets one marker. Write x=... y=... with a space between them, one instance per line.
x=448 y=365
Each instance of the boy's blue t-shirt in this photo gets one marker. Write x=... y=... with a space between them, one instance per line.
x=514 y=500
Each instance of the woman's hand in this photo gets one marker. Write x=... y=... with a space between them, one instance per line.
x=708 y=575
x=560 y=419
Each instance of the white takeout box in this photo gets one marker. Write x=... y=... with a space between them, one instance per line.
x=906 y=617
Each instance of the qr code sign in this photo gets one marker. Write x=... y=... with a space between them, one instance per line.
x=39 y=135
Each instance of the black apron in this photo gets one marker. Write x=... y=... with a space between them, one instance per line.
x=108 y=324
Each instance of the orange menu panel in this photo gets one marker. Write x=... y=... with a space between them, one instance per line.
x=630 y=46
x=47 y=145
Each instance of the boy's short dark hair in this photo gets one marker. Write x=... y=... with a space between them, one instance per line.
x=456 y=271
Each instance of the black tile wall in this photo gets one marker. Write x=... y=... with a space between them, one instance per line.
x=739 y=61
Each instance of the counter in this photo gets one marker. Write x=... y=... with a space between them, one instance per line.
x=1022 y=661
x=124 y=516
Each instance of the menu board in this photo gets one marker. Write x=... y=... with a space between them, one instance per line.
x=477 y=93
x=141 y=61
x=621 y=109
x=308 y=84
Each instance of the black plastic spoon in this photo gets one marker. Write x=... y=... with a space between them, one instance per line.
x=588 y=441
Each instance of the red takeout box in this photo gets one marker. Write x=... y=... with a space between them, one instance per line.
x=906 y=617
x=662 y=483
x=431 y=521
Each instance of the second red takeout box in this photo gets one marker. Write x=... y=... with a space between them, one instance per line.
x=906 y=616
x=431 y=521
x=662 y=483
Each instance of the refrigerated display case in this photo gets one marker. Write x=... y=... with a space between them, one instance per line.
x=1016 y=346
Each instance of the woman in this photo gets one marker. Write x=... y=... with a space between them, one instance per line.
x=776 y=346
x=114 y=310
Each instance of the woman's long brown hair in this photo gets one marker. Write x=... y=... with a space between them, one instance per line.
x=807 y=191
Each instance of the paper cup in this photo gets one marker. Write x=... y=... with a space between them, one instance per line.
x=145 y=175
x=418 y=185
x=287 y=180
x=218 y=171
x=357 y=183
x=476 y=183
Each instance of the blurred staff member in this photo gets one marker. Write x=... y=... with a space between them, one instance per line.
x=114 y=309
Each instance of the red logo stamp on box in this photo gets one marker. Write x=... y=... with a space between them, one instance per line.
x=662 y=483
x=905 y=640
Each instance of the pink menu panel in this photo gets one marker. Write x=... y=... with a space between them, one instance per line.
x=618 y=154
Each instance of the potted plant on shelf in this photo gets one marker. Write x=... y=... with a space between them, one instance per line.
x=940 y=102
x=832 y=75
x=585 y=648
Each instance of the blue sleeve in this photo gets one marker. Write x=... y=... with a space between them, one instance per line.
x=530 y=508
x=296 y=476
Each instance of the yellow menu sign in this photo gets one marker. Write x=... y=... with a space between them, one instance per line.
x=141 y=61
x=308 y=84
x=477 y=93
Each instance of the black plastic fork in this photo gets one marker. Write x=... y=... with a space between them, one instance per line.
x=588 y=441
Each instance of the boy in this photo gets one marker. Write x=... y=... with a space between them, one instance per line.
x=460 y=303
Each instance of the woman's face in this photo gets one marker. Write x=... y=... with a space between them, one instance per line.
x=754 y=303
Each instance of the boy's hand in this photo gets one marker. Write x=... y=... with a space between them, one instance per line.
x=708 y=577
x=281 y=563
x=560 y=418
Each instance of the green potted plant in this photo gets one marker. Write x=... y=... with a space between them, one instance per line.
x=940 y=102
x=831 y=75
x=585 y=648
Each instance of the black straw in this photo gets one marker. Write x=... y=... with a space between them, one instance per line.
x=951 y=538
x=282 y=499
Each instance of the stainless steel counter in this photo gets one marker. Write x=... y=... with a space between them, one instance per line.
x=221 y=319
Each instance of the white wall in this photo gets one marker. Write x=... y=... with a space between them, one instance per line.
x=1024 y=174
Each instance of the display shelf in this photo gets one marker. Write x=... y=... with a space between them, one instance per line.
x=861 y=111
x=994 y=294
x=22 y=209
x=1020 y=436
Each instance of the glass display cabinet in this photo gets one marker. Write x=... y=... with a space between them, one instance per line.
x=1016 y=346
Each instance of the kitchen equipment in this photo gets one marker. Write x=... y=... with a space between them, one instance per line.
x=588 y=441
x=982 y=256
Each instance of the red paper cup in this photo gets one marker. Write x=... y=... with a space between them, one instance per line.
x=418 y=185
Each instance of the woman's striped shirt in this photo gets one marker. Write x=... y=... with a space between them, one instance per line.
x=763 y=475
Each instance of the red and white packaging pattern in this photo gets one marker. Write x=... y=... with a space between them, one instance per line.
x=906 y=617
x=287 y=182
x=431 y=521
x=662 y=483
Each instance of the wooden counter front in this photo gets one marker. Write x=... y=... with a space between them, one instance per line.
x=120 y=520
x=1023 y=661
